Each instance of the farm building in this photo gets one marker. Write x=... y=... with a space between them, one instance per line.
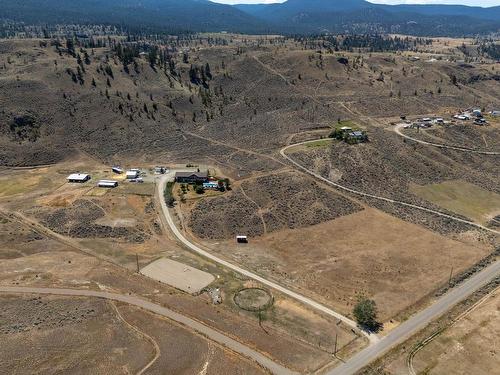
x=132 y=174
x=78 y=178
x=107 y=184
x=117 y=170
x=191 y=177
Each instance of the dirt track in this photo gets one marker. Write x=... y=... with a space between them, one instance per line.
x=368 y=195
x=397 y=129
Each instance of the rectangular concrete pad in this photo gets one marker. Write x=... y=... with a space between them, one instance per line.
x=178 y=275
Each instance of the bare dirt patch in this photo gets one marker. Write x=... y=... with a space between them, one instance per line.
x=178 y=275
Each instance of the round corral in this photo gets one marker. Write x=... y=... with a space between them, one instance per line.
x=253 y=299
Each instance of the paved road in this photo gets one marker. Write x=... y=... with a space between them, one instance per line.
x=307 y=301
x=212 y=334
x=398 y=128
x=357 y=192
x=418 y=321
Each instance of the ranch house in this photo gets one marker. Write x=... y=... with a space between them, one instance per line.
x=191 y=177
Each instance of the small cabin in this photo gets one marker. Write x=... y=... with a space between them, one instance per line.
x=241 y=239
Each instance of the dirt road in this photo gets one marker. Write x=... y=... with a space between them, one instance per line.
x=368 y=195
x=305 y=300
x=212 y=334
x=398 y=131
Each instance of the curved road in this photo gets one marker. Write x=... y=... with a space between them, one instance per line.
x=212 y=334
x=398 y=128
x=305 y=300
x=357 y=192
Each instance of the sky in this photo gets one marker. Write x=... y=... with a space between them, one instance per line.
x=484 y=3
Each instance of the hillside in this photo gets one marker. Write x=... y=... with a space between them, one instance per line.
x=314 y=16
x=134 y=15
x=55 y=102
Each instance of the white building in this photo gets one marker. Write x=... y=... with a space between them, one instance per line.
x=107 y=183
x=79 y=178
x=132 y=174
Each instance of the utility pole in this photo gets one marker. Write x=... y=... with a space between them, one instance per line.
x=451 y=274
x=335 y=350
x=137 y=261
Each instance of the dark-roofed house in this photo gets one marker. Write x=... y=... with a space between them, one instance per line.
x=356 y=137
x=191 y=177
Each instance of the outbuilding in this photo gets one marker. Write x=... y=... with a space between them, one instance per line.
x=79 y=178
x=117 y=170
x=242 y=239
x=132 y=174
x=107 y=184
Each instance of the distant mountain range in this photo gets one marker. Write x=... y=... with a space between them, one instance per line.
x=293 y=16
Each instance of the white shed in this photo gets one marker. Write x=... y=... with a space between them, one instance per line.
x=78 y=178
x=107 y=183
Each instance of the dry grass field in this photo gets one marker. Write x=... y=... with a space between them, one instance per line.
x=366 y=253
x=69 y=336
x=462 y=198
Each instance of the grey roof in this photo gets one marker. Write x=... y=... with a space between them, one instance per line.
x=191 y=174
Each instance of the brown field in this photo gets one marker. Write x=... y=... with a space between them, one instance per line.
x=463 y=134
x=366 y=253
